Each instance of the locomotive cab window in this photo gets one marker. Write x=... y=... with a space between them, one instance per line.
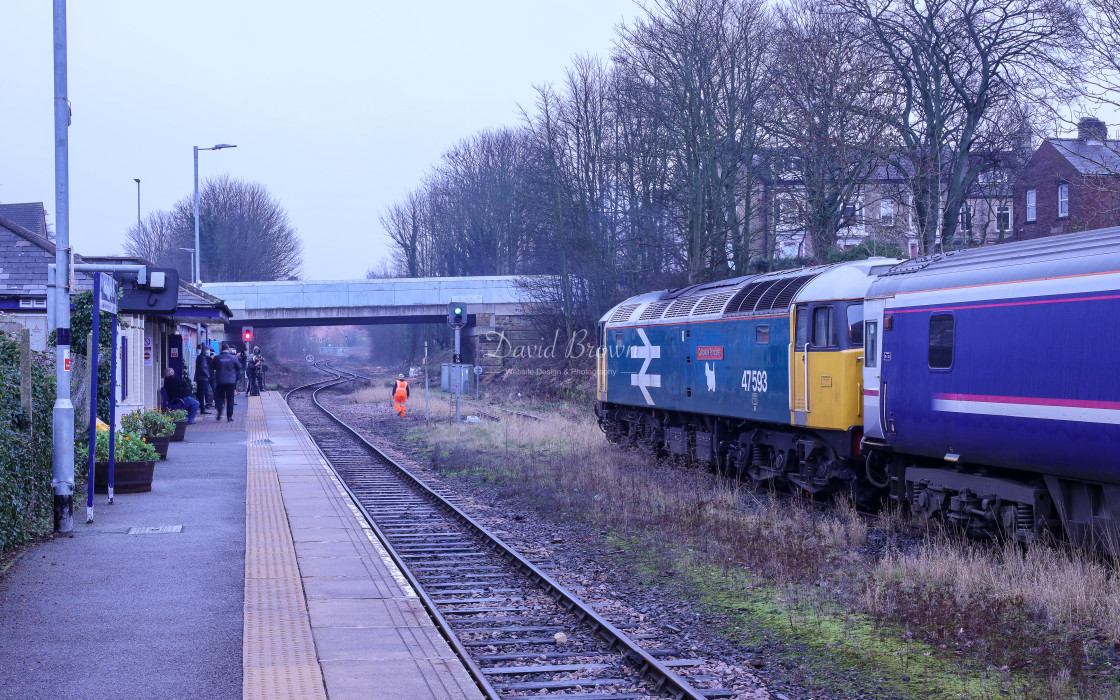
x=822 y=327
x=941 y=341
x=855 y=325
x=802 y=328
x=762 y=334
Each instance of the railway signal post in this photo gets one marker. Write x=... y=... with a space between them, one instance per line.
x=457 y=318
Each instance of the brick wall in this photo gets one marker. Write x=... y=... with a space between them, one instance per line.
x=1094 y=202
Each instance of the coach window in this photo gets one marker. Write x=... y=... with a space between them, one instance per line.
x=871 y=345
x=941 y=341
x=822 y=326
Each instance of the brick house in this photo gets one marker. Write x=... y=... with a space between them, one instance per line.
x=1070 y=184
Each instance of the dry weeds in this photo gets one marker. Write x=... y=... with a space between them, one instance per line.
x=1039 y=609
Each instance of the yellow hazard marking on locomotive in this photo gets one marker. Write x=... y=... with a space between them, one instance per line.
x=826 y=381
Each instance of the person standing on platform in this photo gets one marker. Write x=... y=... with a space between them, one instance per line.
x=178 y=389
x=229 y=367
x=243 y=358
x=400 y=394
x=214 y=375
x=256 y=372
x=202 y=378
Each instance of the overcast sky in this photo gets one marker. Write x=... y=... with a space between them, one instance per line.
x=337 y=108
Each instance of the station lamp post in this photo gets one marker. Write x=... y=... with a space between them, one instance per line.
x=137 y=205
x=197 y=249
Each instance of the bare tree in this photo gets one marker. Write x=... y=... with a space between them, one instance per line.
x=831 y=102
x=697 y=67
x=404 y=222
x=953 y=62
x=158 y=240
x=244 y=235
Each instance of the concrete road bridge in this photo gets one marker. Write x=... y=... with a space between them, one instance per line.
x=494 y=304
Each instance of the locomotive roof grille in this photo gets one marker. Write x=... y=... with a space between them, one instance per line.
x=680 y=307
x=786 y=295
x=623 y=313
x=768 y=294
x=712 y=303
x=652 y=311
x=748 y=296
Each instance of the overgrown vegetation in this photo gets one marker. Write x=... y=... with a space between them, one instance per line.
x=968 y=619
x=26 y=501
x=81 y=325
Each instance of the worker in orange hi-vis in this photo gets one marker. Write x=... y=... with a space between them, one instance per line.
x=400 y=394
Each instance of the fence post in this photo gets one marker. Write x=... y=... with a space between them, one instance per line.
x=25 y=388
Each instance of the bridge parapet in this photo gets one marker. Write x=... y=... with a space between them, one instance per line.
x=400 y=292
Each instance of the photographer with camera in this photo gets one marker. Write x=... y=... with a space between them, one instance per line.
x=256 y=372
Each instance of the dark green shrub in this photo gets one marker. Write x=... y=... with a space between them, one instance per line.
x=867 y=248
x=26 y=498
x=81 y=326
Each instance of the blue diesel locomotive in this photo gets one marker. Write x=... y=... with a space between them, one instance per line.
x=979 y=385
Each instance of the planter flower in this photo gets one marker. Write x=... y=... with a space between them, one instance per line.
x=157 y=428
x=179 y=417
x=135 y=462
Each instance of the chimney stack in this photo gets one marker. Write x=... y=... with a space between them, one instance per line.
x=1091 y=129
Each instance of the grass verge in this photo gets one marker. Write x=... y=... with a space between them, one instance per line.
x=948 y=618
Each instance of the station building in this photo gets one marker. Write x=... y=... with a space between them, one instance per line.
x=148 y=342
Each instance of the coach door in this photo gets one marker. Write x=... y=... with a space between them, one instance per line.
x=873 y=388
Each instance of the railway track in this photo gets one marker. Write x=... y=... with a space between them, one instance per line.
x=517 y=630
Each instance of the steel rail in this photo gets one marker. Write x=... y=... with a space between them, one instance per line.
x=441 y=623
x=649 y=668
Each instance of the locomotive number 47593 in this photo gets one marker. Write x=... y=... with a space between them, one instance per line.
x=754 y=380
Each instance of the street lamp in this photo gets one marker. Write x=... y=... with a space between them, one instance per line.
x=137 y=205
x=197 y=255
x=191 y=251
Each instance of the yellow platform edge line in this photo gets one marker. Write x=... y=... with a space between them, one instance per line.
x=278 y=649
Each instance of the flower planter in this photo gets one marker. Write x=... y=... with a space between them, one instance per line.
x=160 y=442
x=128 y=477
x=180 y=431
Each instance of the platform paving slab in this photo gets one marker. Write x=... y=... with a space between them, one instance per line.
x=105 y=614
x=371 y=636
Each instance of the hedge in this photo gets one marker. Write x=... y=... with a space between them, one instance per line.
x=26 y=497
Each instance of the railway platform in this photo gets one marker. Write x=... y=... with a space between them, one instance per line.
x=245 y=572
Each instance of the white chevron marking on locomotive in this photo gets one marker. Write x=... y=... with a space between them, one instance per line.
x=647 y=352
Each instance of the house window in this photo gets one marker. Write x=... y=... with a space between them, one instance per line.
x=886 y=212
x=851 y=214
x=966 y=217
x=1063 y=200
x=1032 y=205
x=1003 y=217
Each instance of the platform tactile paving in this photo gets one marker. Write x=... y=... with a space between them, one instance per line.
x=278 y=647
x=325 y=606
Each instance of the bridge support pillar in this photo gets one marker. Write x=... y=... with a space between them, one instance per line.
x=495 y=339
